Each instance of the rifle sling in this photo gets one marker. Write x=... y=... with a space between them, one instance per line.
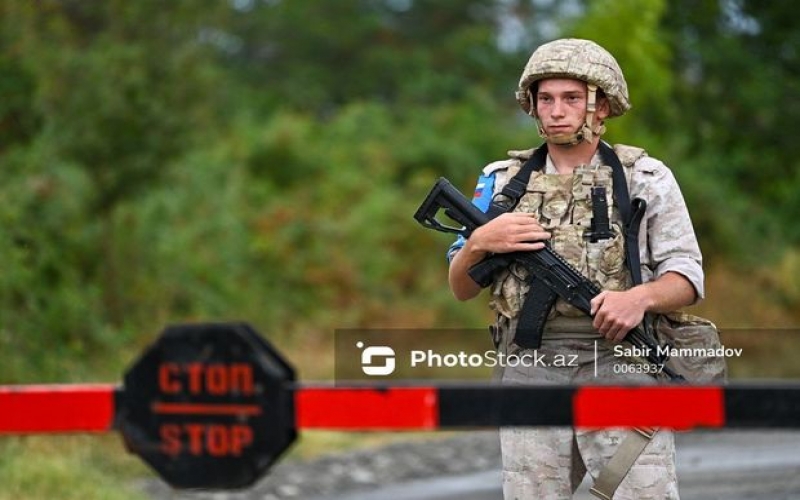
x=508 y=198
x=631 y=213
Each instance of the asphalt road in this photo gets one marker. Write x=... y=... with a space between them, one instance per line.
x=728 y=465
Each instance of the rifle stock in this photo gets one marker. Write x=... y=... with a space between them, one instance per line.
x=444 y=196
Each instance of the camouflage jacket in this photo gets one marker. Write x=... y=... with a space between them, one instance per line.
x=667 y=240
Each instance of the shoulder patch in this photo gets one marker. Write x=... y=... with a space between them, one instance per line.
x=484 y=190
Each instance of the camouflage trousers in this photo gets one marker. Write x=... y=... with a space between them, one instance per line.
x=550 y=463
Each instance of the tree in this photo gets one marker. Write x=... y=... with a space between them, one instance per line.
x=739 y=96
x=114 y=90
x=318 y=55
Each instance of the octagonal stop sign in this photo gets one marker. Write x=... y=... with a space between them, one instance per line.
x=208 y=406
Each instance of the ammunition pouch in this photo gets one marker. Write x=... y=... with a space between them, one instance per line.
x=694 y=342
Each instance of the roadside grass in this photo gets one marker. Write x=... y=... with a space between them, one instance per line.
x=68 y=468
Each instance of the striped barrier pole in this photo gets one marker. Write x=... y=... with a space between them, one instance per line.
x=90 y=408
x=214 y=406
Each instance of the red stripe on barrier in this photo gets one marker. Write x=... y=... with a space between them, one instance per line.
x=678 y=408
x=56 y=408
x=404 y=408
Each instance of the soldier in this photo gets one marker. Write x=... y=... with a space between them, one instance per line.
x=570 y=87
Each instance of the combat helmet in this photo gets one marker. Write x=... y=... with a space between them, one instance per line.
x=582 y=60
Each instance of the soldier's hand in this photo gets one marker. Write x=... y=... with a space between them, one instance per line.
x=617 y=313
x=510 y=232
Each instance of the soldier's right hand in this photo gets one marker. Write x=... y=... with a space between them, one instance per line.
x=509 y=232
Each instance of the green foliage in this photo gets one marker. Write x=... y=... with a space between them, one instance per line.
x=45 y=238
x=116 y=88
x=314 y=56
x=186 y=161
x=739 y=97
x=290 y=234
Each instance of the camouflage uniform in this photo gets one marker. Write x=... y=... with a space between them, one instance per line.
x=542 y=463
x=562 y=204
x=550 y=463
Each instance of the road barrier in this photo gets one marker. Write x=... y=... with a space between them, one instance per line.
x=213 y=406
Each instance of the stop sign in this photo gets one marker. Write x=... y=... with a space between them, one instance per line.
x=208 y=406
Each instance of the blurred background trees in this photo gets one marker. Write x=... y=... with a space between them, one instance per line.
x=261 y=159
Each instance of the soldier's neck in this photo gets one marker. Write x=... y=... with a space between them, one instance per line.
x=566 y=158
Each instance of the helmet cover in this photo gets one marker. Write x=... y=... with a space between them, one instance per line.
x=577 y=59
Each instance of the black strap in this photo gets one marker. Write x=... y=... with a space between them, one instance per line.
x=508 y=197
x=631 y=213
x=632 y=240
x=621 y=195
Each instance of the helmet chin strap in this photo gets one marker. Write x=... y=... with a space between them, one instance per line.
x=588 y=130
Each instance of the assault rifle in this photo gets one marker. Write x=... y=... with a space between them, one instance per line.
x=545 y=265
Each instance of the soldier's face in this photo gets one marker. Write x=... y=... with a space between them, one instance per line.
x=561 y=105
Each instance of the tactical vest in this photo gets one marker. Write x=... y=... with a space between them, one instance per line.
x=563 y=206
